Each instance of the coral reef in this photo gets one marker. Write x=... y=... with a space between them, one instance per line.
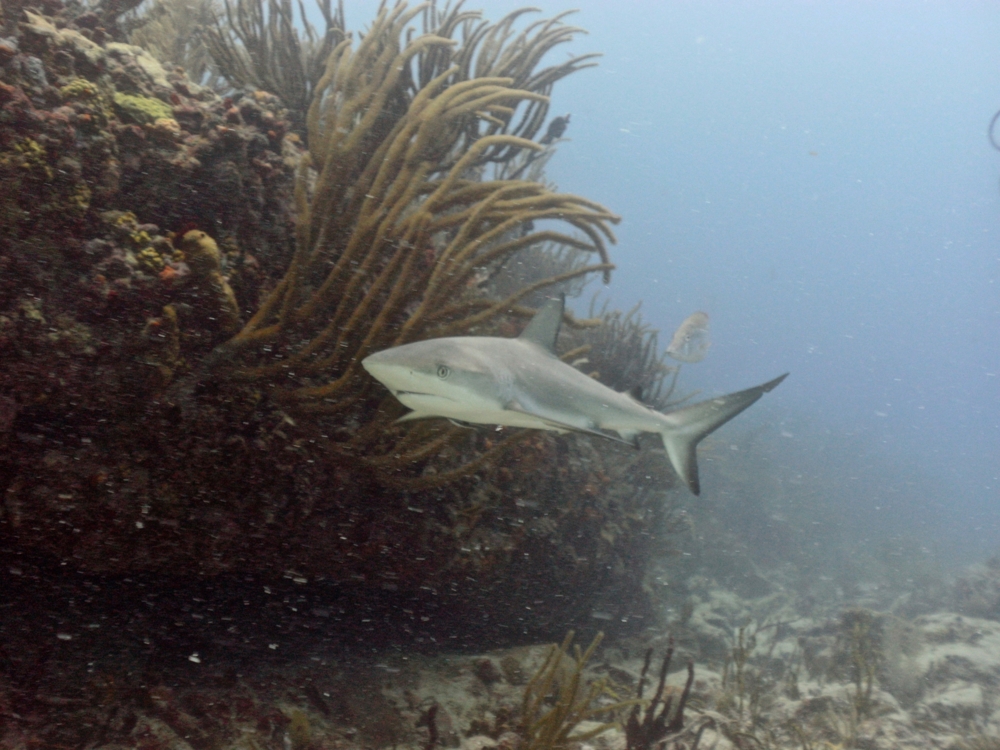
x=623 y=353
x=310 y=686
x=259 y=46
x=977 y=592
x=655 y=730
x=187 y=282
x=181 y=314
x=172 y=32
x=553 y=728
x=394 y=227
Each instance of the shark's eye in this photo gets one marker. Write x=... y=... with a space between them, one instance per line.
x=443 y=371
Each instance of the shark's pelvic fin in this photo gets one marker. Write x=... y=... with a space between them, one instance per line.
x=692 y=423
x=631 y=437
x=544 y=327
x=413 y=415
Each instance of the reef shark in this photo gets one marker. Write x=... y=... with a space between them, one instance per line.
x=520 y=382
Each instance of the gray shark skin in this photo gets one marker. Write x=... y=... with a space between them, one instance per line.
x=522 y=383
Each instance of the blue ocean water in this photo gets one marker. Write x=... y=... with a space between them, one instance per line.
x=816 y=177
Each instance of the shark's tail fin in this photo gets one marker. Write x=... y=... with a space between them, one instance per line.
x=689 y=425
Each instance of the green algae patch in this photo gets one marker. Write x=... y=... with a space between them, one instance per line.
x=79 y=88
x=33 y=158
x=91 y=103
x=142 y=110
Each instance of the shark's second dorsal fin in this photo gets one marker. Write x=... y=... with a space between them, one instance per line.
x=544 y=327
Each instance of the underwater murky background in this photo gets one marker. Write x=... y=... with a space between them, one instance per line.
x=817 y=177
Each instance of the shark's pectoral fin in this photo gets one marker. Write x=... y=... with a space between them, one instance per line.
x=415 y=415
x=562 y=427
x=688 y=426
x=631 y=437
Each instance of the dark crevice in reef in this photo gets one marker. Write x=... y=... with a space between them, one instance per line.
x=230 y=619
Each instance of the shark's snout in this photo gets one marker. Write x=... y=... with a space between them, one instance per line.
x=385 y=366
x=380 y=367
x=373 y=360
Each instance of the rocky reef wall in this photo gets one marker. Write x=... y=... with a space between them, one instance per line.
x=143 y=218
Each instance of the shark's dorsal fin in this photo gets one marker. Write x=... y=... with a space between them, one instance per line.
x=544 y=327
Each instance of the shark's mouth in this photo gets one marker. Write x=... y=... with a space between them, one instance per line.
x=397 y=394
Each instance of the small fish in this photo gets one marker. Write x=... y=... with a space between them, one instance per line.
x=690 y=342
x=555 y=131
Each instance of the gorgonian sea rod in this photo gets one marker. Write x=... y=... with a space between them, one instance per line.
x=402 y=204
